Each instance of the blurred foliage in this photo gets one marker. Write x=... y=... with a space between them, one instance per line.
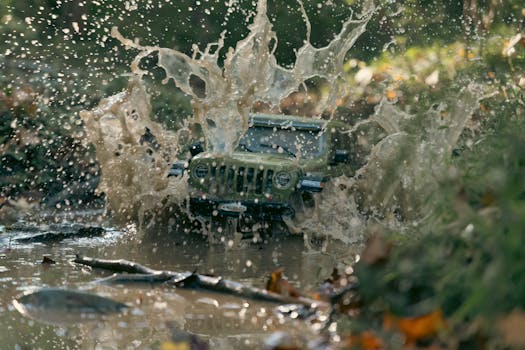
x=472 y=269
x=469 y=265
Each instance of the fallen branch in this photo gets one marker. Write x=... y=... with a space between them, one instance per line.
x=54 y=237
x=135 y=278
x=115 y=265
x=136 y=273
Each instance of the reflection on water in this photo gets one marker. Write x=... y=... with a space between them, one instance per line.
x=156 y=311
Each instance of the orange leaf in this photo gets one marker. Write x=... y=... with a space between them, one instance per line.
x=318 y=296
x=277 y=283
x=274 y=282
x=391 y=95
x=369 y=341
x=366 y=340
x=175 y=346
x=416 y=328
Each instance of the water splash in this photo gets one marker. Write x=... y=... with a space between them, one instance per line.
x=399 y=177
x=134 y=152
x=406 y=169
x=249 y=74
x=398 y=187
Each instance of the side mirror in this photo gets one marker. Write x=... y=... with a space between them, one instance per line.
x=196 y=148
x=341 y=156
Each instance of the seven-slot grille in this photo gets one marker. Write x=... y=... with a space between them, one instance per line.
x=226 y=178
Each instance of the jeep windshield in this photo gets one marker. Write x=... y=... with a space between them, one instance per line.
x=292 y=142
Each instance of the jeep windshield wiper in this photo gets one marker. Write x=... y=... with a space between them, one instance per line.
x=290 y=153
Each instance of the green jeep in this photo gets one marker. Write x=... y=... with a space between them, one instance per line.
x=279 y=162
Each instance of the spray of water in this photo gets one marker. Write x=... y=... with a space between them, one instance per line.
x=135 y=153
x=250 y=73
x=406 y=168
x=399 y=185
x=397 y=182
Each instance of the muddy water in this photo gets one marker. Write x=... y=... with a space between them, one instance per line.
x=156 y=311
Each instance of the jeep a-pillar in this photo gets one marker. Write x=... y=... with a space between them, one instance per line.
x=279 y=162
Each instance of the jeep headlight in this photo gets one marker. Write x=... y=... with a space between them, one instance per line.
x=282 y=179
x=200 y=171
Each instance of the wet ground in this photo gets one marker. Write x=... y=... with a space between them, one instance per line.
x=156 y=311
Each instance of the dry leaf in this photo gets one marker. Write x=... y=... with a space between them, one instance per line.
x=175 y=346
x=278 y=284
x=415 y=328
x=391 y=95
x=274 y=282
x=511 y=328
x=367 y=340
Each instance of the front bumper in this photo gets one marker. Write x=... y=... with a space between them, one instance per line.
x=260 y=211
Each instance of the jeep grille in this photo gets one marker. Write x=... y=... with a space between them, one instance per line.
x=227 y=178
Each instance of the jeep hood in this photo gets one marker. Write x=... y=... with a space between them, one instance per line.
x=254 y=159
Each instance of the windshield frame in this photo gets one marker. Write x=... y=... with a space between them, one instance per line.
x=275 y=143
